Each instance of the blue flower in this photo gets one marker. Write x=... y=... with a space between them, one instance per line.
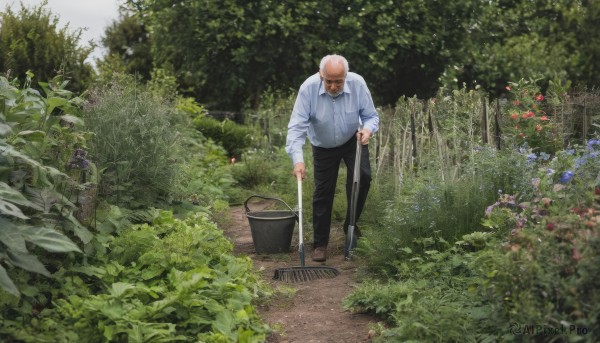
x=549 y=171
x=544 y=156
x=531 y=158
x=593 y=143
x=566 y=176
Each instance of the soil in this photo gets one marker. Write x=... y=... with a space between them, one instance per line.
x=307 y=312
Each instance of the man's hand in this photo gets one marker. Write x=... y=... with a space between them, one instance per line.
x=299 y=171
x=363 y=136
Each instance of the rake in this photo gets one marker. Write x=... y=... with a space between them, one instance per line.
x=303 y=273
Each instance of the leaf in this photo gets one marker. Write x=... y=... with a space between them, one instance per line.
x=11 y=236
x=223 y=322
x=9 y=194
x=54 y=102
x=80 y=231
x=119 y=288
x=71 y=119
x=28 y=262
x=11 y=210
x=33 y=135
x=10 y=151
x=49 y=239
x=7 y=284
x=4 y=129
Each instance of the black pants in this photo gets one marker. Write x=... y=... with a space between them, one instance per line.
x=326 y=167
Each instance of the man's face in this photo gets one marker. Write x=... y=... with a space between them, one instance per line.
x=333 y=78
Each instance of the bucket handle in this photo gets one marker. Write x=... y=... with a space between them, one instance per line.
x=268 y=198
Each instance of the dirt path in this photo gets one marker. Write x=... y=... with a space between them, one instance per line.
x=313 y=310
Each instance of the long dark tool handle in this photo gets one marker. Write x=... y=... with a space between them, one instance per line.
x=267 y=198
x=350 y=238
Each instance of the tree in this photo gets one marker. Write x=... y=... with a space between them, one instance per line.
x=511 y=40
x=128 y=45
x=31 y=40
x=226 y=53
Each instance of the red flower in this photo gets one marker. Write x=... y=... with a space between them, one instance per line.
x=540 y=98
x=530 y=114
x=522 y=135
x=514 y=116
x=538 y=127
x=550 y=227
x=517 y=102
x=543 y=118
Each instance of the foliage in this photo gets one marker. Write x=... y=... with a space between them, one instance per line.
x=529 y=126
x=529 y=273
x=31 y=41
x=233 y=137
x=205 y=174
x=127 y=42
x=37 y=211
x=447 y=200
x=134 y=143
x=240 y=49
x=433 y=296
x=511 y=40
x=173 y=280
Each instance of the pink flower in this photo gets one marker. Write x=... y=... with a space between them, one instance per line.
x=543 y=118
x=508 y=88
x=538 y=127
x=514 y=116
x=517 y=102
x=540 y=98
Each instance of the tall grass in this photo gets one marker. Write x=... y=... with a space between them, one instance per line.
x=134 y=142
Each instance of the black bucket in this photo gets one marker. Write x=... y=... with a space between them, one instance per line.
x=272 y=230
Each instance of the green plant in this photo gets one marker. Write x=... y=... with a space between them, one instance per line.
x=233 y=137
x=37 y=135
x=170 y=280
x=529 y=125
x=134 y=143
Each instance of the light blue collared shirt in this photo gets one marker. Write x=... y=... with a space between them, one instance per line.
x=329 y=122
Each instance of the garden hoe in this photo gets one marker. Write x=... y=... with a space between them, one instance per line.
x=350 y=236
x=303 y=273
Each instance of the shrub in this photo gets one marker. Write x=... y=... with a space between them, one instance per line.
x=134 y=143
x=233 y=137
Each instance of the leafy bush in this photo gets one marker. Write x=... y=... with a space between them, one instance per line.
x=233 y=137
x=37 y=198
x=531 y=275
x=430 y=206
x=175 y=279
x=529 y=125
x=134 y=143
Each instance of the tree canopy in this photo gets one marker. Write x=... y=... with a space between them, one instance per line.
x=30 y=40
x=226 y=53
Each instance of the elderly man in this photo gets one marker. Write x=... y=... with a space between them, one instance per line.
x=334 y=109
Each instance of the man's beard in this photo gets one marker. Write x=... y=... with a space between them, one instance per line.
x=335 y=95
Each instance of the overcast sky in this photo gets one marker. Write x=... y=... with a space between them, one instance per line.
x=91 y=15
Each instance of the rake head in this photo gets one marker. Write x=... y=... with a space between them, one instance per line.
x=301 y=274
